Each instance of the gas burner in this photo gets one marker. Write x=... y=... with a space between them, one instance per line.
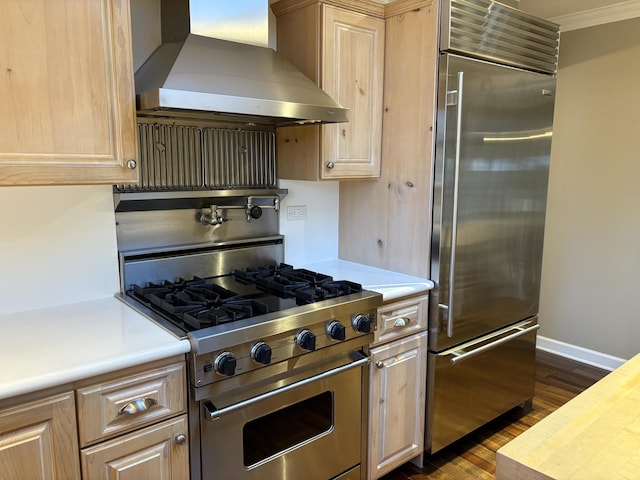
x=196 y=303
x=230 y=310
x=304 y=285
x=326 y=290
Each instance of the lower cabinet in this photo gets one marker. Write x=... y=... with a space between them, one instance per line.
x=38 y=440
x=127 y=425
x=397 y=383
x=134 y=426
x=159 y=451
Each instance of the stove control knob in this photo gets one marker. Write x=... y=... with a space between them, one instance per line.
x=225 y=364
x=306 y=340
x=361 y=323
x=336 y=331
x=261 y=353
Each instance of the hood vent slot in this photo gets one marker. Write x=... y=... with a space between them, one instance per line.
x=180 y=157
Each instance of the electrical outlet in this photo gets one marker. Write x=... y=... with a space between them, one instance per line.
x=297 y=212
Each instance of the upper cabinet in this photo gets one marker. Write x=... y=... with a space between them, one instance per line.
x=340 y=45
x=67 y=114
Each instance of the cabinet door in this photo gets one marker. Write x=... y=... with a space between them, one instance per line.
x=396 y=403
x=352 y=73
x=67 y=114
x=343 y=51
x=38 y=440
x=160 y=451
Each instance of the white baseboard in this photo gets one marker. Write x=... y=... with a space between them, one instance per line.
x=580 y=354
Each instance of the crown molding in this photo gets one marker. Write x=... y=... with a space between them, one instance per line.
x=598 y=16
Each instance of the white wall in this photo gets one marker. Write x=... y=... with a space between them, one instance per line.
x=57 y=245
x=314 y=239
x=591 y=265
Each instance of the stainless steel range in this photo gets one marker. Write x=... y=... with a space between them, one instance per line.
x=276 y=367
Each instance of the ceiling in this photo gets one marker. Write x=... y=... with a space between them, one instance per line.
x=555 y=8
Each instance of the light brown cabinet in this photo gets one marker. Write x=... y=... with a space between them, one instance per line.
x=397 y=386
x=152 y=398
x=130 y=424
x=159 y=451
x=386 y=223
x=339 y=45
x=38 y=440
x=67 y=114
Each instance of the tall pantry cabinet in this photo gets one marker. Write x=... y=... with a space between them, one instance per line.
x=387 y=223
x=67 y=114
x=339 y=44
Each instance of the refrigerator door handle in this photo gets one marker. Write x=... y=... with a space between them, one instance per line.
x=462 y=355
x=454 y=218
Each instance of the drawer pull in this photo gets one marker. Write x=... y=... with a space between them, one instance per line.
x=379 y=364
x=137 y=406
x=181 y=438
x=402 y=322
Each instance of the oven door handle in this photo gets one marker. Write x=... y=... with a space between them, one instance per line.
x=214 y=413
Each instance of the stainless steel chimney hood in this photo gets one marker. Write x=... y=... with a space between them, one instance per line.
x=194 y=71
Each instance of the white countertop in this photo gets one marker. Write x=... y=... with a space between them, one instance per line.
x=57 y=345
x=391 y=285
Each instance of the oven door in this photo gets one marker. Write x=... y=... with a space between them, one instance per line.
x=311 y=429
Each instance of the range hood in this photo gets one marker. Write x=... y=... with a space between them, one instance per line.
x=197 y=71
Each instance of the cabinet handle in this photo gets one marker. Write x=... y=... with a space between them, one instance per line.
x=402 y=322
x=132 y=164
x=330 y=165
x=379 y=364
x=139 y=405
x=181 y=438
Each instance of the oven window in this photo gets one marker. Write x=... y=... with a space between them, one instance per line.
x=285 y=428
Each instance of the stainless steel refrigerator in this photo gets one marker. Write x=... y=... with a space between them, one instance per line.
x=495 y=99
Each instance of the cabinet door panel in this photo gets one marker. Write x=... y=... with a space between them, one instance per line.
x=397 y=393
x=353 y=57
x=38 y=440
x=340 y=46
x=68 y=109
x=153 y=452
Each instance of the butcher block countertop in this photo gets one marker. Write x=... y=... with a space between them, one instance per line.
x=595 y=436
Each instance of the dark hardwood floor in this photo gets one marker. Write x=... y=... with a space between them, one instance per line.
x=558 y=380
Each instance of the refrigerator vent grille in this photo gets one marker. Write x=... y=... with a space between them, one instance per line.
x=492 y=31
x=180 y=157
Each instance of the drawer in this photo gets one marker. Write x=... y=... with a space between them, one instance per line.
x=111 y=408
x=402 y=318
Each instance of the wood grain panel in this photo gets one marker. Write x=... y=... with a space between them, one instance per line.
x=66 y=80
x=341 y=48
x=151 y=453
x=396 y=398
x=387 y=223
x=38 y=440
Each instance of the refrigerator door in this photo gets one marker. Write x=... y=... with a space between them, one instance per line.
x=493 y=141
x=474 y=383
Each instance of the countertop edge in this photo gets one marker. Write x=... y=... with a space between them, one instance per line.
x=86 y=371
